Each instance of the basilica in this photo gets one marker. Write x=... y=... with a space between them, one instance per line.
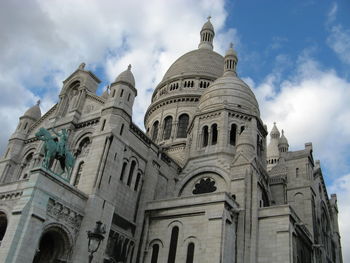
x=83 y=183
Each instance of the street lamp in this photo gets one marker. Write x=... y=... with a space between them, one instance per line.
x=95 y=237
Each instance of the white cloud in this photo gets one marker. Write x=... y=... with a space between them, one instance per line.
x=339 y=37
x=310 y=105
x=44 y=41
x=339 y=41
x=342 y=187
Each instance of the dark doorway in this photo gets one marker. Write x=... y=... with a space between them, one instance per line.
x=53 y=247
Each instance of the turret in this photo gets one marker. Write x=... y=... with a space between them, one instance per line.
x=283 y=144
x=123 y=92
x=231 y=60
x=28 y=119
x=207 y=35
x=273 y=153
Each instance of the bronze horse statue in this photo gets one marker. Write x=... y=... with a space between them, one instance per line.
x=54 y=149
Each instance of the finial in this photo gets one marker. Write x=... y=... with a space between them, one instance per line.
x=209 y=17
x=38 y=102
x=129 y=67
x=274 y=123
x=231 y=45
x=82 y=66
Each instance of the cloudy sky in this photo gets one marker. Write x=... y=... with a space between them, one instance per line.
x=295 y=55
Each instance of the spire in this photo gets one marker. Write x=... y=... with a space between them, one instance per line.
x=207 y=35
x=230 y=62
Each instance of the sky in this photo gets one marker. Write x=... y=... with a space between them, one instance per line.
x=295 y=55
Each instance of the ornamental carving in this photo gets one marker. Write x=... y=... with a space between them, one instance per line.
x=64 y=214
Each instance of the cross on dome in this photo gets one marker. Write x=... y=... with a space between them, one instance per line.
x=209 y=17
x=38 y=102
x=129 y=67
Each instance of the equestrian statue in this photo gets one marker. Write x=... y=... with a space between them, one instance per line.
x=56 y=148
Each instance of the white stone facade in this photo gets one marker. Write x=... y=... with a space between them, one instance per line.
x=201 y=185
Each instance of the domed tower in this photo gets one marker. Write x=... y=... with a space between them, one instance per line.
x=28 y=119
x=175 y=99
x=123 y=92
x=117 y=110
x=283 y=144
x=273 y=153
x=225 y=109
x=207 y=35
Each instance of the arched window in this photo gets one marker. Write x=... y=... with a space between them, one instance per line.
x=138 y=178
x=242 y=129
x=205 y=134
x=131 y=172
x=167 y=127
x=182 y=128
x=79 y=172
x=190 y=253
x=214 y=134
x=155 y=252
x=155 y=130
x=123 y=171
x=3 y=226
x=173 y=244
x=233 y=132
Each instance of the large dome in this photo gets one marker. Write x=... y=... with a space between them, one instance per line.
x=232 y=92
x=199 y=62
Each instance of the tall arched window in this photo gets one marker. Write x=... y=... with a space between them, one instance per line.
x=167 y=127
x=182 y=128
x=205 y=134
x=233 y=133
x=190 y=253
x=138 y=178
x=123 y=171
x=214 y=134
x=155 y=252
x=155 y=130
x=131 y=172
x=79 y=172
x=173 y=244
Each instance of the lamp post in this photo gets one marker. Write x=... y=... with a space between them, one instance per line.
x=95 y=237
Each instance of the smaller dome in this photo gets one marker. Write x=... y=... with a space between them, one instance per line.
x=283 y=140
x=127 y=77
x=33 y=112
x=230 y=91
x=208 y=25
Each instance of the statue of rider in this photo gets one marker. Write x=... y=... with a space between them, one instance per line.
x=62 y=142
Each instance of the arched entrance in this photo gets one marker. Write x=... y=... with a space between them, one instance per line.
x=54 y=246
x=3 y=225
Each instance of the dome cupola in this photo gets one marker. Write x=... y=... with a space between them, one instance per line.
x=231 y=60
x=33 y=112
x=283 y=143
x=126 y=77
x=207 y=35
